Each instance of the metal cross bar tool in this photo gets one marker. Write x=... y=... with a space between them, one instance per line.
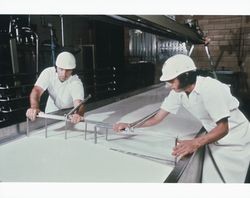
x=97 y=124
x=57 y=117
x=65 y=118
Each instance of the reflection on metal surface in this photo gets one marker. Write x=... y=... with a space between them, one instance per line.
x=142 y=46
x=147 y=47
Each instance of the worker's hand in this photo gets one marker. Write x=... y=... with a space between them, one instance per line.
x=185 y=147
x=207 y=40
x=75 y=118
x=31 y=113
x=120 y=126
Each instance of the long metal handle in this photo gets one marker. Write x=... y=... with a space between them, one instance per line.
x=191 y=50
x=78 y=106
x=211 y=61
x=143 y=120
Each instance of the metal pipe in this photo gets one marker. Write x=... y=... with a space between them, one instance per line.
x=191 y=50
x=210 y=61
x=62 y=29
x=95 y=134
x=14 y=57
x=100 y=124
x=86 y=127
x=12 y=99
x=106 y=133
x=66 y=129
x=37 y=54
x=175 y=159
x=27 y=127
x=52 y=43
x=46 y=127
x=10 y=110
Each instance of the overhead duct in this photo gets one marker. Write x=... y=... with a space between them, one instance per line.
x=162 y=25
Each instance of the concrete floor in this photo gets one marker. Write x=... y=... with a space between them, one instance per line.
x=142 y=156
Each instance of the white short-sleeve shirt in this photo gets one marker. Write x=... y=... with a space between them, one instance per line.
x=209 y=102
x=61 y=94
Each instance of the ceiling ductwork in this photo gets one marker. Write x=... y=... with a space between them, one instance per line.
x=162 y=25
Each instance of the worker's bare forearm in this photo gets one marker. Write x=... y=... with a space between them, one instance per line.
x=215 y=134
x=35 y=97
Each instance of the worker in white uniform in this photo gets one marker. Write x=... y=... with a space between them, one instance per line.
x=65 y=90
x=211 y=102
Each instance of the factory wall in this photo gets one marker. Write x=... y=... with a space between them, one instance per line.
x=229 y=48
x=229 y=43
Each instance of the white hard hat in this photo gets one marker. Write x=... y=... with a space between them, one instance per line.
x=66 y=60
x=176 y=65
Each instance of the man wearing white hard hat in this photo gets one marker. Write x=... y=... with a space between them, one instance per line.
x=65 y=90
x=211 y=102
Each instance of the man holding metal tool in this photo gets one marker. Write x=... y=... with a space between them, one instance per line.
x=211 y=102
x=65 y=90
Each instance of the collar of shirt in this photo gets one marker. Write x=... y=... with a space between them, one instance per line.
x=198 y=83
